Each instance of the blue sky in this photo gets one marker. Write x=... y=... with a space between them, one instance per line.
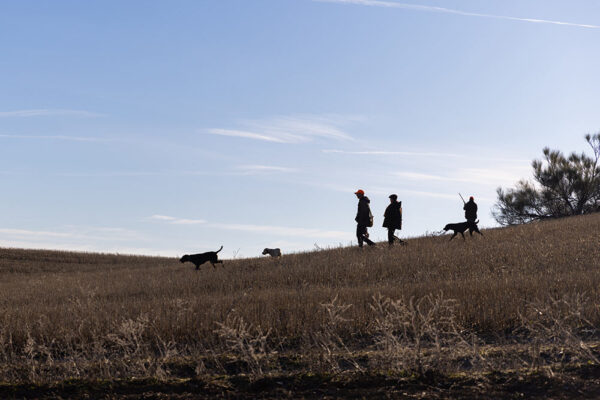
x=172 y=127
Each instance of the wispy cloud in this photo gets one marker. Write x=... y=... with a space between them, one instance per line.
x=73 y=246
x=244 y=134
x=469 y=155
x=42 y=112
x=265 y=229
x=31 y=233
x=293 y=129
x=177 y=221
x=419 y=176
x=417 y=7
x=125 y=174
x=501 y=175
x=241 y=170
x=418 y=193
x=74 y=232
x=421 y=193
x=234 y=171
x=392 y=153
x=57 y=137
x=284 y=231
x=409 y=193
x=74 y=238
x=258 y=169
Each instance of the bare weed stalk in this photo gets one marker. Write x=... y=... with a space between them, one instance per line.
x=247 y=342
x=334 y=355
x=420 y=335
x=556 y=330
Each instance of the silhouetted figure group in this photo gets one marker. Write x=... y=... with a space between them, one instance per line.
x=393 y=219
x=364 y=219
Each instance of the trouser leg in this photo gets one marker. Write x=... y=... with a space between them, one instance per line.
x=366 y=237
x=391 y=236
x=360 y=231
x=361 y=235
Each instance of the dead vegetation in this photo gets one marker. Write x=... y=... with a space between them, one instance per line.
x=521 y=298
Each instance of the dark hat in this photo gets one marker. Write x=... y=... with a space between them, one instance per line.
x=393 y=196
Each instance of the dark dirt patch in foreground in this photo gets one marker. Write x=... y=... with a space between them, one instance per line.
x=573 y=383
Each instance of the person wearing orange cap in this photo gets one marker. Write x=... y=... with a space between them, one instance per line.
x=470 y=210
x=363 y=219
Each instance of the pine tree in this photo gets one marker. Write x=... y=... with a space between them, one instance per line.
x=562 y=186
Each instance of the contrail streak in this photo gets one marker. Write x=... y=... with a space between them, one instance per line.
x=416 y=7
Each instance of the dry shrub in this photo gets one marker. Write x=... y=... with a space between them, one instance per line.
x=557 y=331
x=334 y=355
x=420 y=334
x=246 y=342
x=130 y=346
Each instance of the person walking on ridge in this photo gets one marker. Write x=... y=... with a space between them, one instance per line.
x=392 y=218
x=470 y=208
x=363 y=219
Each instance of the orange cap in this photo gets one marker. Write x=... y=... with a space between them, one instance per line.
x=360 y=191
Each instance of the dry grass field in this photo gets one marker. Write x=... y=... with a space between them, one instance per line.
x=520 y=302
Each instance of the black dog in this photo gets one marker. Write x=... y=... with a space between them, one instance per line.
x=461 y=227
x=199 y=259
x=272 y=252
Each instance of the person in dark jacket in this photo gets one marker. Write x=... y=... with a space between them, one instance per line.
x=470 y=210
x=363 y=219
x=392 y=218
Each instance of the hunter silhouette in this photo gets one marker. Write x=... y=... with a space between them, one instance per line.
x=393 y=218
x=363 y=219
x=470 y=208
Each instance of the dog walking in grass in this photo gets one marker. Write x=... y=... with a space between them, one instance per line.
x=199 y=259
x=461 y=227
x=272 y=252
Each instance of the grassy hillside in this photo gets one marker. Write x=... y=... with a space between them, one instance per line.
x=511 y=299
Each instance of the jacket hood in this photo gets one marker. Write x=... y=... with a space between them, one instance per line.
x=365 y=198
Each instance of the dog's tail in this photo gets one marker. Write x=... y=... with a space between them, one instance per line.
x=219 y=249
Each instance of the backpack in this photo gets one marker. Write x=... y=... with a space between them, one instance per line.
x=400 y=208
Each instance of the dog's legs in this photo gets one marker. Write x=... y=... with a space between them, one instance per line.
x=463 y=235
x=474 y=229
x=197 y=267
x=213 y=264
x=455 y=233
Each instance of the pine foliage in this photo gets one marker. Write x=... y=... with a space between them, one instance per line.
x=562 y=186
